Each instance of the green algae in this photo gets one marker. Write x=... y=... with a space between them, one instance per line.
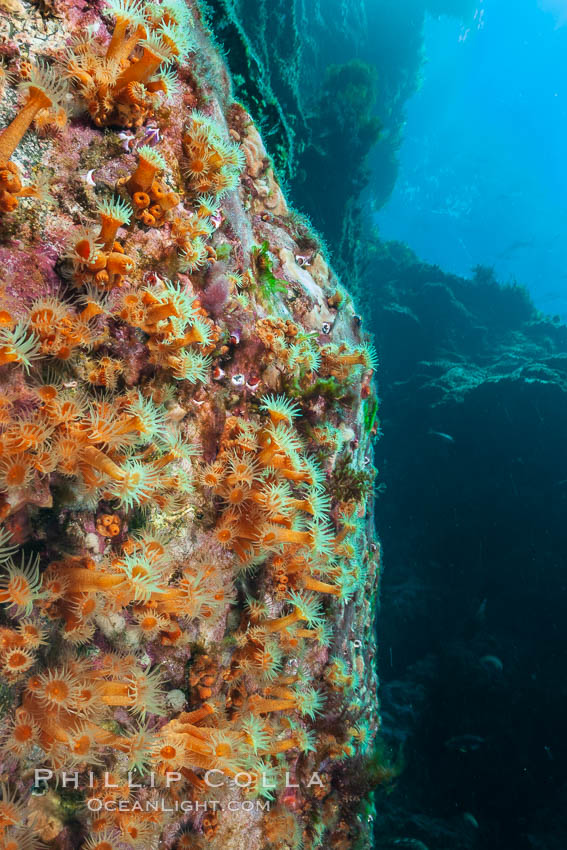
x=269 y=285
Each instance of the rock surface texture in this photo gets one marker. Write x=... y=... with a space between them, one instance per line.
x=188 y=564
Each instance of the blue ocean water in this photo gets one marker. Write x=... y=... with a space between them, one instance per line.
x=483 y=176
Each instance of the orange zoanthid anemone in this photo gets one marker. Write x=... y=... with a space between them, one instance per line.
x=113 y=214
x=129 y=16
x=155 y=51
x=149 y=163
x=97 y=259
x=127 y=83
x=214 y=163
x=44 y=90
x=18 y=344
x=151 y=199
x=341 y=360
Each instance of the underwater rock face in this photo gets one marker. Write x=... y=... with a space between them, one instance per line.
x=188 y=563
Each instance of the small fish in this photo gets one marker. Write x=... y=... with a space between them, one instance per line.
x=481 y=613
x=470 y=819
x=511 y=249
x=442 y=435
x=465 y=743
x=492 y=662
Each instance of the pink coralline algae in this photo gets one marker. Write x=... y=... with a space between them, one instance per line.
x=188 y=570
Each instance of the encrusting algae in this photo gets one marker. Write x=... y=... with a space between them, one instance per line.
x=187 y=592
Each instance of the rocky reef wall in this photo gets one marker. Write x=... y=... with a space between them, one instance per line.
x=472 y=460
x=189 y=565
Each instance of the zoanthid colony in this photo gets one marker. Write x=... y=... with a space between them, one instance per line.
x=186 y=582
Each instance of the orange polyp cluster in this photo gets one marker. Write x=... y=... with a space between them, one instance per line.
x=190 y=232
x=49 y=123
x=213 y=165
x=103 y=372
x=277 y=335
x=93 y=265
x=151 y=198
x=280 y=827
x=106 y=393
x=64 y=712
x=120 y=86
x=90 y=445
x=59 y=709
x=153 y=205
x=108 y=525
x=60 y=330
x=255 y=474
x=77 y=592
x=292 y=352
x=17 y=649
x=174 y=323
x=339 y=361
x=45 y=92
x=12 y=188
